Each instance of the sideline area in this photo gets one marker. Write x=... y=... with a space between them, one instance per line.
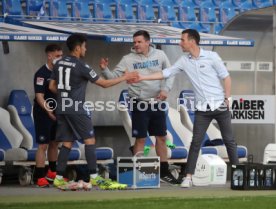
x=31 y=194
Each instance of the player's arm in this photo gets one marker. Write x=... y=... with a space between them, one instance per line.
x=160 y=75
x=107 y=83
x=153 y=76
x=40 y=100
x=43 y=104
x=118 y=71
x=53 y=86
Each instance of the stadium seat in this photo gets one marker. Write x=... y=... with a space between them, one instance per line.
x=181 y=136
x=12 y=8
x=187 y=17
x=20 y=109
x=124 y=11
x=104 y=154
x=10 y=139
x=243 y=5
x=145 y=11
x=197 y=3
x=186 y=12
x=102 y=11
x=81 y=11
x=166 y=12
x=226 y=12
x=262 y=3
x=36 y=9
x=213 y=136
x=58 y=10
x=218 y=27
x=207 y=14
x=218 y=3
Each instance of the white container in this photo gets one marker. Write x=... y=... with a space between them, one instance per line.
x=270 y=154
x=210 y=170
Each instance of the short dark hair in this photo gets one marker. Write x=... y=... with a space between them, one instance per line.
x=52 y=48
x=143 y=33
x=74 y=40
x=192 y=34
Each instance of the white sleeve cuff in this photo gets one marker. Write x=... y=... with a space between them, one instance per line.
x=166 y=73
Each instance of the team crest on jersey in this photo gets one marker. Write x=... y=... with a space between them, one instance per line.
x=39 y=81
x=93 y=74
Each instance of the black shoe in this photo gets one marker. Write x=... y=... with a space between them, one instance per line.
x=169 y=178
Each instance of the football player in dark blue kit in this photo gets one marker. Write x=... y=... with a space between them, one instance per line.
x=69 y=80
x=44 y=119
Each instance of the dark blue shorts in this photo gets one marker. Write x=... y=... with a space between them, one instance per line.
x=45 y=127
x=148 y=119
x=72 y=127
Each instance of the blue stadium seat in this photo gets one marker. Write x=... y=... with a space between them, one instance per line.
x=10 y=139
x=145 y=11
x=102 y=11
x=197 y=3
x=181 y=136
x=124 y=11
x=262 y=3
x=81 y=11
x=207 y=14
x=243 y=5
x=166 y=12
x=213 y=135
x=218 y=27
x=12 y=8
x=226 y=12
x=20 y=109
x=58 y=10
x=33 y=7
x=187 y=17
x=186 y=12
x=218 y=3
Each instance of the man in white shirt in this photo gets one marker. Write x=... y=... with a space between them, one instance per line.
x=205 y=70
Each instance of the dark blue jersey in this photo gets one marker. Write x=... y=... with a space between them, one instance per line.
x=72 y=76
x=41 y=83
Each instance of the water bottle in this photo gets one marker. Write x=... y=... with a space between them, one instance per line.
x=252 y=177
x=268 y=174
x=235 y=178
x=238 y=177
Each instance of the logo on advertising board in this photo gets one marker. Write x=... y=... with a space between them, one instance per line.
x=253 y=109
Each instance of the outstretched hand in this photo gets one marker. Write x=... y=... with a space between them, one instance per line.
x=131 y=76
x=103 y=63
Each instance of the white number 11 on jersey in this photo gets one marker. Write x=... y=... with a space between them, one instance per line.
x=67 y=78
